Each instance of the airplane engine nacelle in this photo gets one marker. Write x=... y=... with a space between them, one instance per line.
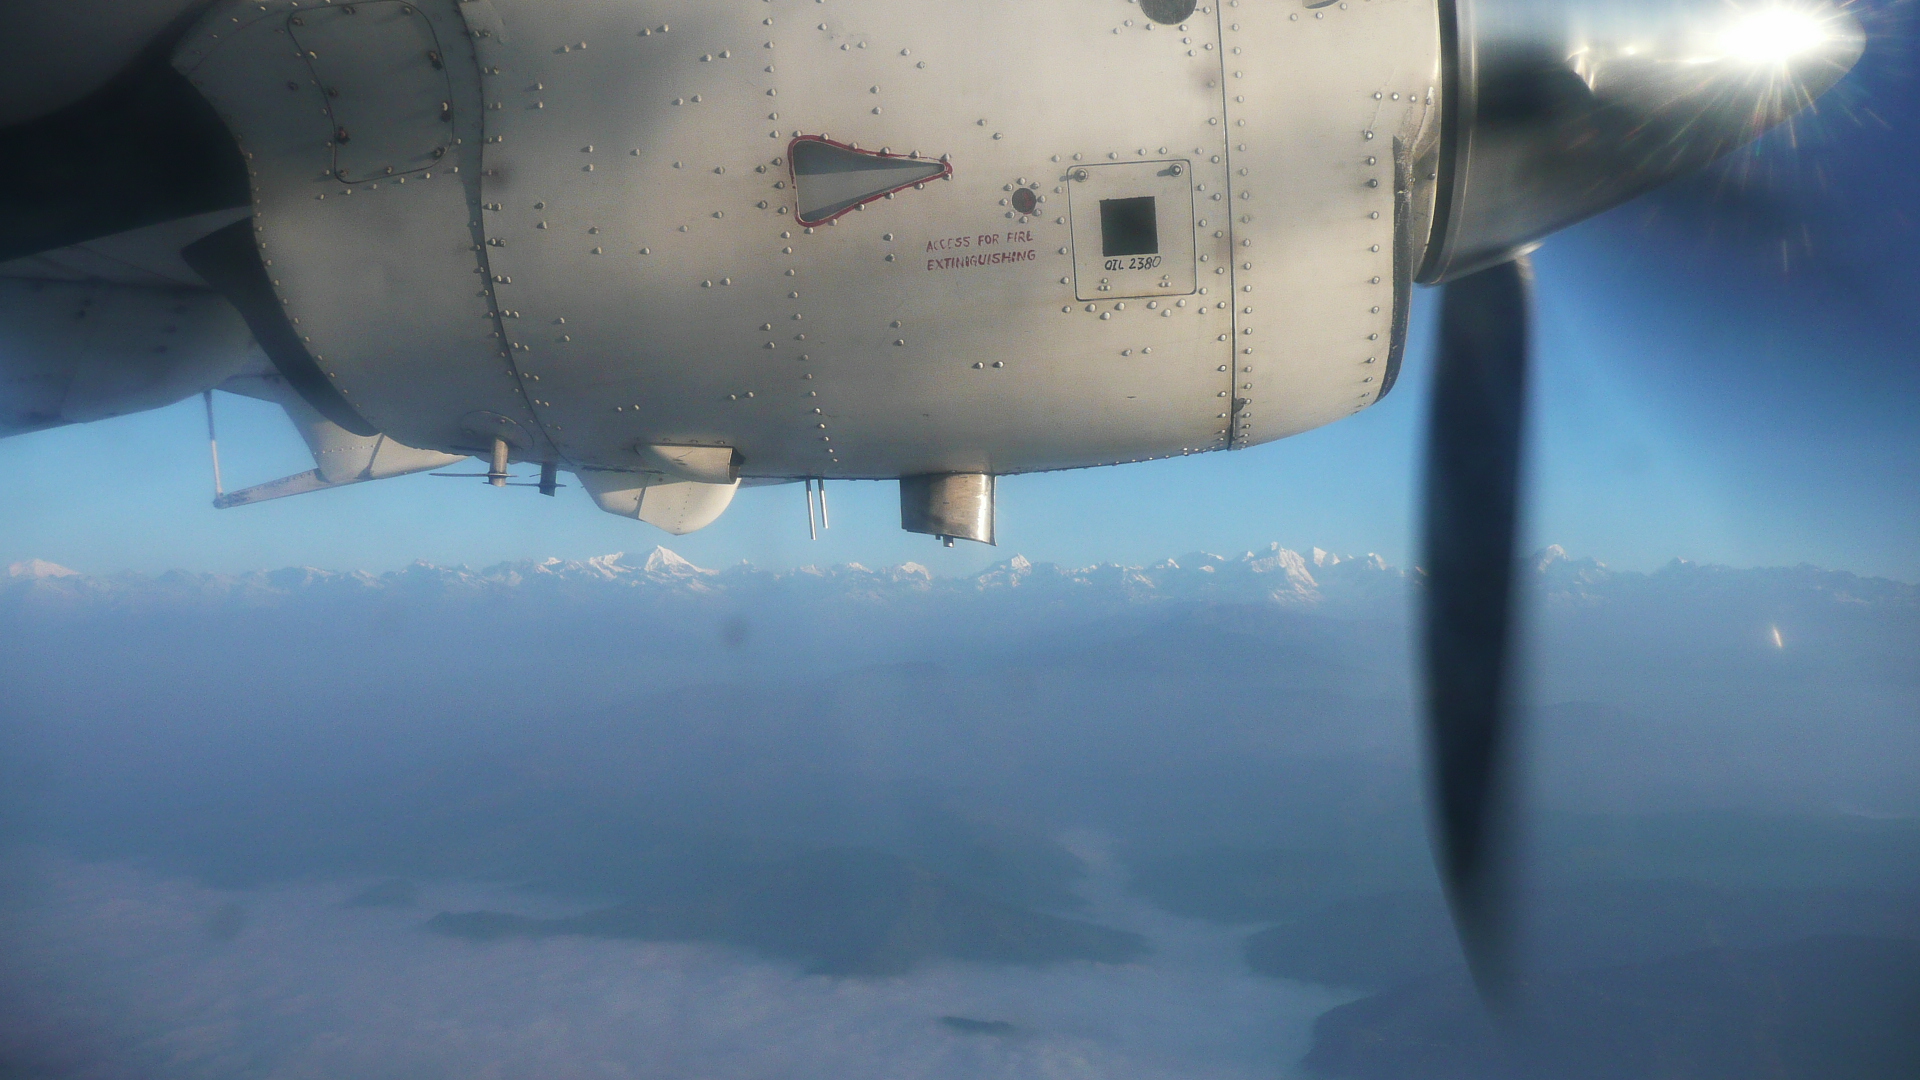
x=856 y=240
x=871 y=241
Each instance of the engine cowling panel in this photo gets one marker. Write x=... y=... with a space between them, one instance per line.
x=593 y=230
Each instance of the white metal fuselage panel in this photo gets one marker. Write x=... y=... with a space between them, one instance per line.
x=1317 y=98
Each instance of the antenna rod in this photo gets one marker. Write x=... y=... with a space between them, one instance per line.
x=497 y=469
x=811 y=534
x=823 y=503
x=213 y=445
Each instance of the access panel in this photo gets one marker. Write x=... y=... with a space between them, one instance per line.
x=380 y=67
x=1132 y=229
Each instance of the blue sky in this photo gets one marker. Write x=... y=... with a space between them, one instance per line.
x=1691 y=400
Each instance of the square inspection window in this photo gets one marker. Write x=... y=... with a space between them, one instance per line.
x=1132 y=229
x=1129 y=227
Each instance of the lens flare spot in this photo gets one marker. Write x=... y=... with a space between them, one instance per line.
x=1775 y=35
x=1778 y=642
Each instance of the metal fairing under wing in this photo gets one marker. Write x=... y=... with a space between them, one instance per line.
x=666 y=502
x=340 y=457
x=848 y=248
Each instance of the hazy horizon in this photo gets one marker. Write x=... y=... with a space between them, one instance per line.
x=1001 y=557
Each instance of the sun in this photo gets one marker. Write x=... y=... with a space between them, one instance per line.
x=1776 y=34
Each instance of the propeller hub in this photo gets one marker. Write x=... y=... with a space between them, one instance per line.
x=1556 y=111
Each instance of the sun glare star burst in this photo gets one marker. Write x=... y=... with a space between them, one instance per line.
x=1775 y=35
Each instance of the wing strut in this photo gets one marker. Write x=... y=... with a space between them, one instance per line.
x=213 y=444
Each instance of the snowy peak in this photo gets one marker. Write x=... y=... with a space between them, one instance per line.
x=608 y=566
x=1298 y=583
x=664 y=563
x=39 y=569
x=1564 y=578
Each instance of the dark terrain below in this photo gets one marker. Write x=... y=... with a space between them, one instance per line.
x=839 y=912
x=1823 y=1008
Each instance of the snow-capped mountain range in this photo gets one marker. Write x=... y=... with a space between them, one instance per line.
x=1275 y=575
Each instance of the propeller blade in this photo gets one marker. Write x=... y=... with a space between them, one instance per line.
x=1472 y=491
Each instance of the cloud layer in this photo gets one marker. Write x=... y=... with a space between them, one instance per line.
x=117 y=973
